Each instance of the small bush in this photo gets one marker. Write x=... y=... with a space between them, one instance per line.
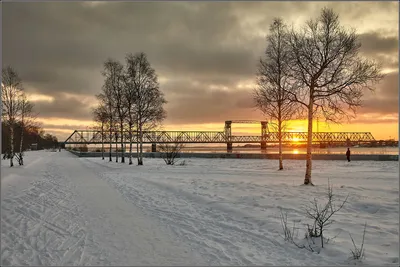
x=322 y=217
x=169 y=152
x=358 y=252
x=288 y=232
x=322 y=214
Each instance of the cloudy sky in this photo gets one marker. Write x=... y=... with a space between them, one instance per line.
x=204 y=53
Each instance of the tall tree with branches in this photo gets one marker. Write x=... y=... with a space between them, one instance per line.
x=119 y=100
x=274 y=82
x=130 y=98
x=149 y=100
x=111 y=73
x=11 y=90
x=325 y=59
x=27 y=122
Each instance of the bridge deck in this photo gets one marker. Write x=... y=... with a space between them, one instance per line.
x=95 y=137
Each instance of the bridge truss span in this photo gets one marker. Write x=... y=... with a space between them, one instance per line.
x=87 y=137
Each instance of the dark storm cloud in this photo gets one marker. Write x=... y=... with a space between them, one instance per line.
x=385 y=99
x=53 y=81
x=60 y=47
x=198 y=103
x=383 y=49
x=374 y=42
x=64 y=107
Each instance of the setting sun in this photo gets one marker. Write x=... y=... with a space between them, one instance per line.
x=295 y=140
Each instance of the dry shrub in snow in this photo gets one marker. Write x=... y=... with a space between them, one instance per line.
x=288 y=232
x=321 y=215
x=169 y=152
x=358 y=252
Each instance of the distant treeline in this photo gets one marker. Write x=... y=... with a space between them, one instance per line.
x=33 y=135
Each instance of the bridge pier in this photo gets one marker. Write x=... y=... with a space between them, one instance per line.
x=153 y=147
x=348 y=143
x=263 y=146
x=229 y=147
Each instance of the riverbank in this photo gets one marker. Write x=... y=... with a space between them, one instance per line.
x=357 y=157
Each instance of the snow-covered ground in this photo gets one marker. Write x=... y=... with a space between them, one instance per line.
x=60 y=209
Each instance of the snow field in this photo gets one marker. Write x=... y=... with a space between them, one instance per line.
x=64 y=210
x=229 y=209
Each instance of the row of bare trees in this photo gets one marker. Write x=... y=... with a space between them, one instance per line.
x=131 y=101
x=16 y=110
x=313 y=71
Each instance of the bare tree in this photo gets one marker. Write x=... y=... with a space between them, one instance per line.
x=101 y=116
x=149 y=100
x=273 y=81
x=119 y=100
x=11 y=89
x=27 y=121
x=130 y=98
x=112 y=76
x=325 y=59
x=169 y=152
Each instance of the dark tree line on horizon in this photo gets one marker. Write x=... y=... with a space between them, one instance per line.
x=312 y=71
x=32 y=135
x=19 y=126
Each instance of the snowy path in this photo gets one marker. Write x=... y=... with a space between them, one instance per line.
x=71 y=217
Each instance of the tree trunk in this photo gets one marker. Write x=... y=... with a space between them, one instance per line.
x=102 y=140
x=130 y=145
x=116 y=145
x=280 y=144
x=11 y=144
x=307 y=179
x=141 y=145
x=21 y=159
x=110 y=144
x=122 y=143
x=137 y=146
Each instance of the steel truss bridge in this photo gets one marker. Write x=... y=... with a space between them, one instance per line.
x=93 y=137
x=87 y=137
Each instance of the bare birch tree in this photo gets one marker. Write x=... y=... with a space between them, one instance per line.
x=110 y=73
x=119 y=100
x=11 y=89
x=130 y=98
x=149 y=100
x=325 y=59
x=27 y=121
x=273 y=81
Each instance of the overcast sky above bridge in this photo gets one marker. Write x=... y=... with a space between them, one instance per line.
x=204 y=53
